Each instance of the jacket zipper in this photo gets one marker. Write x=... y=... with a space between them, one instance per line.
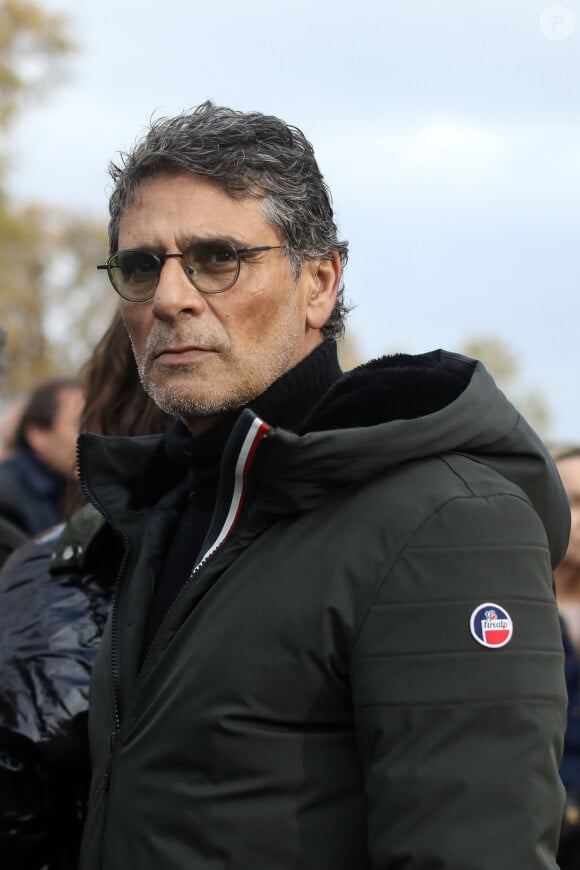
x=215 y=541
x=196 y=569
x=252 y=430
x=256 y=430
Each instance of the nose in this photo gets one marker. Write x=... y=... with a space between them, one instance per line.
x=175 y=293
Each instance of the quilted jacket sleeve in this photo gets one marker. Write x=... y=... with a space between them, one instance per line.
x=460 y=742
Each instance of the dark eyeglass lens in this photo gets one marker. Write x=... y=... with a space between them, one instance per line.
x=135 y=273
x=212 y=266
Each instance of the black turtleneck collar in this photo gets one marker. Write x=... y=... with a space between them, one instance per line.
x=291 y=398
x=285 y=404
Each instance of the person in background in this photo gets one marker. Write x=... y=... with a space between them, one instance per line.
x=11 y=536
x=54 y=599
x=567 y=574
x=33 y=482
x=334 y=641
x=8 y=428
x=569 y=846
x=567 y=582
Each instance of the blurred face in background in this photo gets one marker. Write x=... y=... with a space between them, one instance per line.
x=569 y=469
x=567 y=574
x=56 y=446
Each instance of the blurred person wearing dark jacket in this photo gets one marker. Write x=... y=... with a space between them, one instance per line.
x=54 y=599
x=11 y=536
x=33 y=482
x=569 y=847
x=567 y=582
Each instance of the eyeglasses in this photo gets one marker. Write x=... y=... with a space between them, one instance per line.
x=212 y=266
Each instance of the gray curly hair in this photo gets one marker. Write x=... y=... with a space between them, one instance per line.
x=243 y=154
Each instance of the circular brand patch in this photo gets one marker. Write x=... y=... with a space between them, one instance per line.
x=491 y=626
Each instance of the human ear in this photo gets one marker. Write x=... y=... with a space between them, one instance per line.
x=325 y=280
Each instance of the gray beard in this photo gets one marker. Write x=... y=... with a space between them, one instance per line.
x=176 y=404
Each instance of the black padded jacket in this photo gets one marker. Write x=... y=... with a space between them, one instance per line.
x=365 y=667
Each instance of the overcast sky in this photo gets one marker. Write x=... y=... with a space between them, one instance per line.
x=448 y=131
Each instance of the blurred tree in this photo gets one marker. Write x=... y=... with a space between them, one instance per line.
x=54 y=305
x=27 y=352
x=500 y=362
x=32 y=45
x=81 y=300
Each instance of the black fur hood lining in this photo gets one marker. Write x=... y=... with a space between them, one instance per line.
x=397 y=387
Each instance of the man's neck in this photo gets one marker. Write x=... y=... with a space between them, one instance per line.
x=200 y=425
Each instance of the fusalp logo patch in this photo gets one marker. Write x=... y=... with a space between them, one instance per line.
x=491 y=625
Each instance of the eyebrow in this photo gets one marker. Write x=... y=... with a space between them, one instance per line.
x=184 y=241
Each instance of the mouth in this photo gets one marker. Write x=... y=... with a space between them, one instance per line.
x=182 y=354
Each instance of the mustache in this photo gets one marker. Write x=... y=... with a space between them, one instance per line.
x=163 y=337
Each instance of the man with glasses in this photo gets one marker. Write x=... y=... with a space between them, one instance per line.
x=334 y=641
